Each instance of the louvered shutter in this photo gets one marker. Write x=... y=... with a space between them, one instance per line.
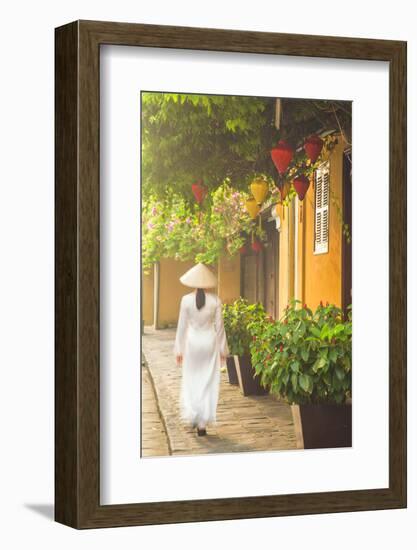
x=321 y=212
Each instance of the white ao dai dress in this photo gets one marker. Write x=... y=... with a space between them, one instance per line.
x=200 y=339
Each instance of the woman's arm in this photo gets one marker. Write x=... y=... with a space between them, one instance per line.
x=181 y=332
x=221 y=333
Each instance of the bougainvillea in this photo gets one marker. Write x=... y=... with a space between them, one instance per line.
x=174 y=228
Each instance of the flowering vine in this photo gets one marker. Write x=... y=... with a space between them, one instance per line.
x=174 y=228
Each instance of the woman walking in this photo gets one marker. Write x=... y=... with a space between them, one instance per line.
x=200 y=347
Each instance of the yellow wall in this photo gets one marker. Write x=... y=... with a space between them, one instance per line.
x=285 y=282
x=320 y=275
x=229 y=278
x=147 y=297
x=171 y=290
x=168 y=271
x=302 y=274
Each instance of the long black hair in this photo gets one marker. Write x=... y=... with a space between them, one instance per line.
x=200 y=298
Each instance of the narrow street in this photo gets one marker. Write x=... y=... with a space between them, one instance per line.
x=252 y=423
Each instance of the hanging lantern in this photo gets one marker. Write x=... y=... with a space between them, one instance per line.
x=301 y=185
x=199 y=191
x=252 y=208
x=256 y=246
x=282 y=155
x=259 y=189
x=313 y=146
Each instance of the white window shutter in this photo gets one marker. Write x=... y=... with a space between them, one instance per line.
x=321 y=210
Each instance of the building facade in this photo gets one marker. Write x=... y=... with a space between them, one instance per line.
x=307 y=253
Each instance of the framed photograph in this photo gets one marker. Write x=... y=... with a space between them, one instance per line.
x=230 y=274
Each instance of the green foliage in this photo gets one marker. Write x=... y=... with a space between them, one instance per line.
x=237 y=317
x=172 y=228
x=226 y=141
x=186 y=137
x=305 y=357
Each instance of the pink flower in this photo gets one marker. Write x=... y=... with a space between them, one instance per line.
x=154 y=211
x=150 y=225
x=188 y=220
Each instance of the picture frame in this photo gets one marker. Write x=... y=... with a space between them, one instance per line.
x=77 y=272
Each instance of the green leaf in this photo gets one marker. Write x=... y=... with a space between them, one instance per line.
x=327 y=377
x=333 y=355
x=340 y=373
x=285 y=377
x=305 y=354
x=295 y=366
x=306 y=383
x=338 y=329
x=294 y=381
x=319 y=364
x=347 y=363
x=315 y=331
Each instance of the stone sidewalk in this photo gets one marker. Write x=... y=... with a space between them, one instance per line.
x=252 y=423
x=154 y=437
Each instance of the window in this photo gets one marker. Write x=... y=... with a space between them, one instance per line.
x=321 y=211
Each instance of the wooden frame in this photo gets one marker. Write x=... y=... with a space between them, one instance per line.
x=77 y=373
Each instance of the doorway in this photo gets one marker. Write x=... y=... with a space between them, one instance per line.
x=259 y=273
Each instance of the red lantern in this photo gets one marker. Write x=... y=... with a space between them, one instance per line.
x=199 y=191
x=282 y=155
x=313 y=146
x=301 y=185
x=256 y=246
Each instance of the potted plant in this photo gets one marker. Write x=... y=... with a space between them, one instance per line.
x=237 y=317
x=306 y=358
x=229 y=321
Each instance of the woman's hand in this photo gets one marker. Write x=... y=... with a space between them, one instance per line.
x=178 y=359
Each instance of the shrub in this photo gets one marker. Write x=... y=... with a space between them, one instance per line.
x=305 y=357
x=236 y=317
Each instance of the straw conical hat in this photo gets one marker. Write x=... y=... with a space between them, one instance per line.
x=199 y=276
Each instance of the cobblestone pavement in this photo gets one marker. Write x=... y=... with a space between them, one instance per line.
x=252 y=423
x=154 y=437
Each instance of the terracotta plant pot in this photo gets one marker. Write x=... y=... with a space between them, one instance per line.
x=326 y=426
x=231 y=370
x=249 y=383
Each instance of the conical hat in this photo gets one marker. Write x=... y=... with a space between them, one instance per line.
x=199 y=276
